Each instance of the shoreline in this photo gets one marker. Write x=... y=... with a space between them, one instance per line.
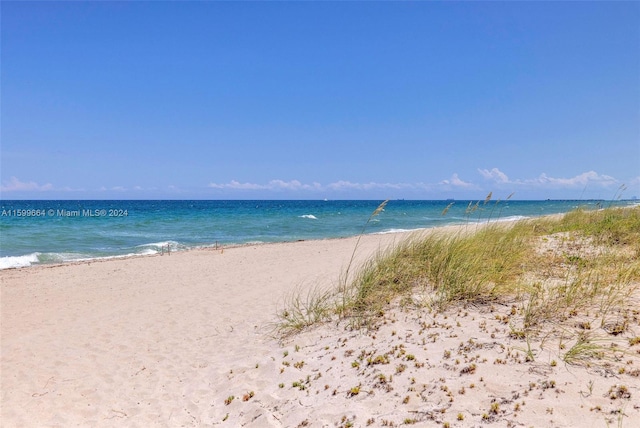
x=211 y=247
x=215 y=246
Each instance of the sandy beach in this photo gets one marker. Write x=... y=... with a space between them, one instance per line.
x=187 y=339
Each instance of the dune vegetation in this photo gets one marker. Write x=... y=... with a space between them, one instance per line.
x=569 y=279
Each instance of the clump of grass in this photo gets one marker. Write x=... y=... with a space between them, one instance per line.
x=606 y=244
x=584 y=349
x=619 y=391
x=302 y=310
x=354 y=391
x=462 y=267
x=380 y=359
x=610 y=226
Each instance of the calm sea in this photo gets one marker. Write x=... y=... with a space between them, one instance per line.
x=37 y=232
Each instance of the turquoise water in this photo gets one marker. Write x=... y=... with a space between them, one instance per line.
x=36 y=232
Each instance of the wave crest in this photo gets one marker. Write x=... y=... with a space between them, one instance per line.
x=18 y=261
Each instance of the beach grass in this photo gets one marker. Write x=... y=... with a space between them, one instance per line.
x=566 y=276
x=302 y=309
x=466 y=266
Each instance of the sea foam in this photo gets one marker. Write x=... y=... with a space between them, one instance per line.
x=157 y=247
x=18 y=261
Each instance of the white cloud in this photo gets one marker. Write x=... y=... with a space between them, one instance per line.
x=495 y=174
x=456 y=181
x=271 y=185
x=545 y=181
x=236 y=186
x=292 y=185
x=295 y=185
x=344 y=185
x=347 y=185
x=583 y=179
x=112 y=189
x=15 y=185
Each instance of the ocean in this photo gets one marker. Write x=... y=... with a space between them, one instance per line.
x=46 y=232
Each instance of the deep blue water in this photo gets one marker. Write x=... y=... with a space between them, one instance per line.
x=35 y=232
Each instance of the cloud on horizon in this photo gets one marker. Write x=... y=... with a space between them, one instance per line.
x=495 y=177
x=543 y=180
x=272 y=185
x=455 y=181
x=15 y=185
x=295 y=185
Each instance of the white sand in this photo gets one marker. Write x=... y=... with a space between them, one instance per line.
x=163 y=341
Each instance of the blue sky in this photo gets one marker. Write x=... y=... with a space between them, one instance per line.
x=314 y=100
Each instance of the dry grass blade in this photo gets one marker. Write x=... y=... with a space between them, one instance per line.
x=377 y=211
x=446 y=210
x=488 y=198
